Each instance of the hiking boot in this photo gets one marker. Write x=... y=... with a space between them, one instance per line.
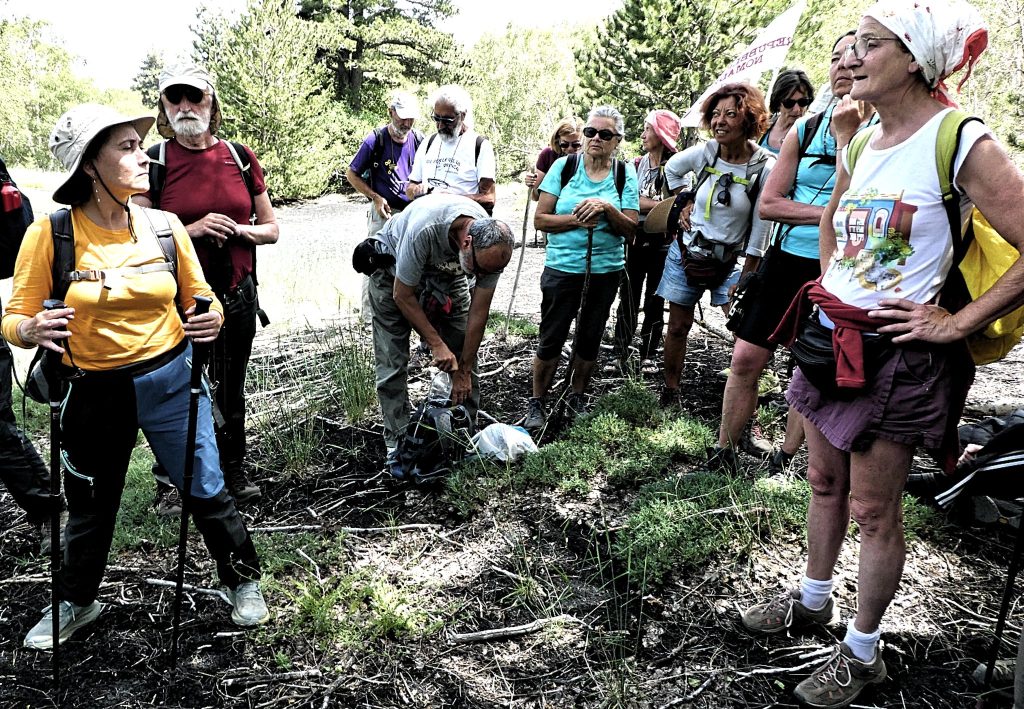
x=393 y=465
x=240 y=488
x=785 y=611
x=615 y=368
x=1002 y=676
x=840 y=679
x=722 y=460
x=780 y=461
x=648 y=367
x=249 y=607
x=575 y=405
x=755 y=445
x=669 y=397
x=535 y=415
x=42 y=530
x=167 y=501
x=72 y=618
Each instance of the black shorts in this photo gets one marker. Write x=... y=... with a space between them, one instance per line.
x=784 y=275
x=561 y=293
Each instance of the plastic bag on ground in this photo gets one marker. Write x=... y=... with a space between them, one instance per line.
x=503 y=442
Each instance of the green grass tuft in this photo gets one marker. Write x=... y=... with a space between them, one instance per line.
x=517 y=326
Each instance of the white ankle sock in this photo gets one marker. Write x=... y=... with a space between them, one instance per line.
x=814 y=594
x=863 y=645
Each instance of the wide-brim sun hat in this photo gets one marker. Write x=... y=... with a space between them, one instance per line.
x=76 y=129
x=186 y=74
x=657 y=219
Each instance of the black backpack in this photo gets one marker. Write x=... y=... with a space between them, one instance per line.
x=436 y=438
x=572 y=164
x=14 y=220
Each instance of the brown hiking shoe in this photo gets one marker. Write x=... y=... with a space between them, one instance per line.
x=786 y=610
x=240 y=488
x=167 y=501
x=840 y=679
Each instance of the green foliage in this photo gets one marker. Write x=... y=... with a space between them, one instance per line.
x=370 y=46
x=520 y=82
x=137 y=523
x=147 y=81
x=38 y=86
x=663 y=53
x=270 y=91
x=517 y=326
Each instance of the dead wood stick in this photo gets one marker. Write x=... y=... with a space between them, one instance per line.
x=288 y=528
x=721 y=334
x=395 y=528
x=511 y=632
x=280 y=677
x=189 y=587
x=816 y=661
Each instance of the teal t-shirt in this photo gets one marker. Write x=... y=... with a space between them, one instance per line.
x=815 y=180
x=567 y=250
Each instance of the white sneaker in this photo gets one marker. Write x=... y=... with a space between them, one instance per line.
x=249 y=607
x=72 y=618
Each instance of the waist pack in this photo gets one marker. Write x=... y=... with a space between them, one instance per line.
x=707 y=263
x=814 y=355
x=436 y=438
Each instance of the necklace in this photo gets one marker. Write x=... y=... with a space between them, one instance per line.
x=443 y=182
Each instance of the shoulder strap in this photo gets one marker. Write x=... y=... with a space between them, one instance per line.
x=857 y=145
x=157 y=171
x=161 y=226
x=569 y=169
x=378 y=147
x=810 y=130
x=947 y=146
x=417 y=138
x=430 y=141
x=63 y=252
x=479 y=141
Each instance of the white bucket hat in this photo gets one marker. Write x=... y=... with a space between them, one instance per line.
x=186 y=74
x=76 y=129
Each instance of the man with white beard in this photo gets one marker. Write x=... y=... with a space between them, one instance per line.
x=217 y=190
x=456 y=159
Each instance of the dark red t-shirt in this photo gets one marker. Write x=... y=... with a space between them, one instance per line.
x=546 y=159
x=198 y=182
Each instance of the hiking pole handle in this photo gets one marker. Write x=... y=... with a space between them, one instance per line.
x=55 y=357
x=203 y=304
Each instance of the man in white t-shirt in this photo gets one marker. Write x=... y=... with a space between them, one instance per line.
x=456 y=159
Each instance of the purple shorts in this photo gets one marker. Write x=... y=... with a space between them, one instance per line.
x=907 y=402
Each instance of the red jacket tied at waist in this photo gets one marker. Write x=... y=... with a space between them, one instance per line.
x=847 y=343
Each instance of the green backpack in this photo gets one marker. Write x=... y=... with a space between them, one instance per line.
x=980 y=253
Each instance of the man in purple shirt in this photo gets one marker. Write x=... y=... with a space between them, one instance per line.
x=380 y=170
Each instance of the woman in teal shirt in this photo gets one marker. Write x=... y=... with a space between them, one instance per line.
x=600 y=196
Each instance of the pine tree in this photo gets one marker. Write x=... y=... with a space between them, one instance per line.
x=147 y=81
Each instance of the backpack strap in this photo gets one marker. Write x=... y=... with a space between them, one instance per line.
x=157 y=171
x=569 y=169
x=620 y=177
x=237 y=150
x=572 y=164
x=378 y=148
x=479 y=141
x=63 y=263
x=947 y=146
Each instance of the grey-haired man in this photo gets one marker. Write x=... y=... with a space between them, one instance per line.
x=437 y=241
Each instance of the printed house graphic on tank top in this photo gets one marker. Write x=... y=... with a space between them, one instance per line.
x=877 y=230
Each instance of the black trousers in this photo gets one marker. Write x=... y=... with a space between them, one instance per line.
x=644 y=263
x=229 y=360
x=99 y=429
x=22 y=471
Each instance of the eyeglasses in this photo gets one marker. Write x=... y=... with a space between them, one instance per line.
x=176 y=92
x=802 y=102
x=724 y=198
x=575 y=145
x=604 y=133
x=862 y=45
x=447 y=120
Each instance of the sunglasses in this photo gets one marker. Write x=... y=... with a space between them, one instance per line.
x=724 y=198
x=802 y=102
x=604 y=133
x=447 y=120
x=575 y=145
x=175 y=93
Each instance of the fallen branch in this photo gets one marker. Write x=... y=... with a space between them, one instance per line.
x=288 y=528
x=787 y=670
x=189 y=587
x=376 y=530
x=511 y=632
x=281 y=677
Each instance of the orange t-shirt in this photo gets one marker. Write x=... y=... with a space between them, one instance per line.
x=125 y=319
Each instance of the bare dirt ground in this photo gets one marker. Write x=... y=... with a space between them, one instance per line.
x=529 y=556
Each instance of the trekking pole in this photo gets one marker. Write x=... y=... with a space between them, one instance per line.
x=522 y=252
x=195 y=390
x=56 y=387
x=1011 y=576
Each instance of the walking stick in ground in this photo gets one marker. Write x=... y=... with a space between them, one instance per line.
x=195 y=391
x=519 y=268
x=56 y=395
x=1011 y=577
